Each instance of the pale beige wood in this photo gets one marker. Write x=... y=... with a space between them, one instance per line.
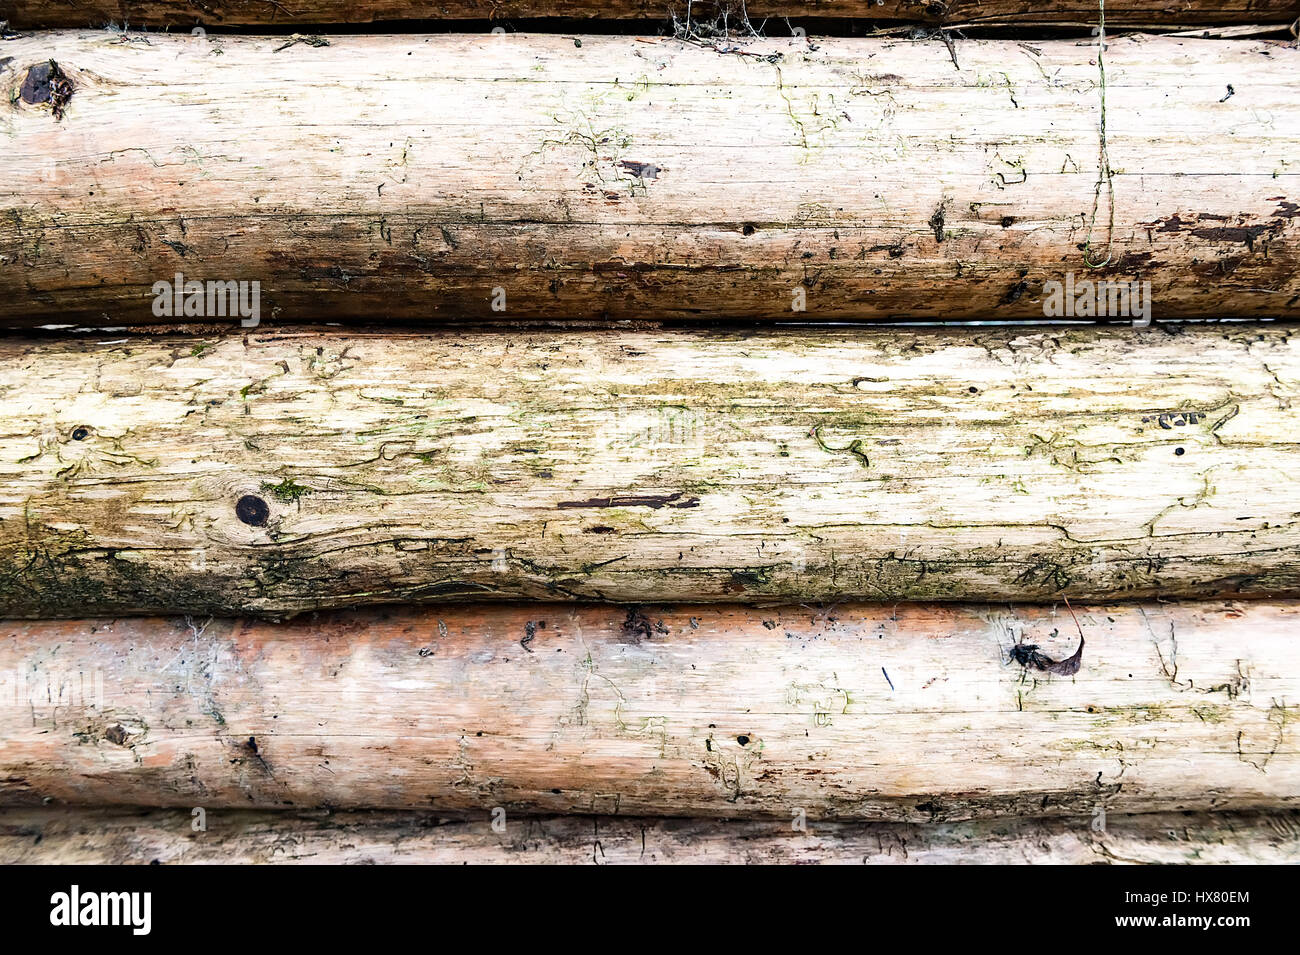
x=117 y=837
x=226 y=13
x=625 y=466
x=907 y=712
x=408 y=177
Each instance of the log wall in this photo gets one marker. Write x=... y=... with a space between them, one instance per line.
x=255 y=481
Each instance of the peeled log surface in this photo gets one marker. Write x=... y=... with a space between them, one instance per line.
x=903 y=712
x=124 y=837
x=410 y=177
x=276 y=473
x=92 y=13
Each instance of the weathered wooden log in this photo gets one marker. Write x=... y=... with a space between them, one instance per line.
x=276 y=473
x=907 y=712
x=93 y=13
x=503 y=178
x=126 y=837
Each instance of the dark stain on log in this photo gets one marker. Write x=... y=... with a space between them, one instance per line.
x=641 y=170
x=116 y=734
x=252 y=510
x=312 y=40
x=1174 y=419
x=637 y=626
x=936 y=222
x=1239 y=234
x=1173 y=223
x=1014 y=293
x=331 y=273
x=1245 y=235
x=654 y=501
x=47 y=83
x=896 y=250
x=1028 y=655
x=1131 y=261
x=754 y=578
x=1219 y=267
x=252 y=749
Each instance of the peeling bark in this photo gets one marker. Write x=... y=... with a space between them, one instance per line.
x=879 y=712
x=491 y=178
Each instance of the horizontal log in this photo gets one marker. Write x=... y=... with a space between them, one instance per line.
x=277 y=473
x=27 y=14
x=455 y=177
x=225 y=13
x=124 y=837
x=907 y=712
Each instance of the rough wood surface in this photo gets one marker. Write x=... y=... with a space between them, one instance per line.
x=903 y=712
x=93 y=13
x=117 y=837
x=276 y=473
x=410 y=177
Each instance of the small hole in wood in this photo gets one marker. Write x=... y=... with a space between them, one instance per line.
x=252 y=510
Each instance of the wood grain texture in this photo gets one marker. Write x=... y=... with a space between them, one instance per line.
x=27 y=14
x=408 y=177
x=890 y=712
x=277 y=473
x=125 y=837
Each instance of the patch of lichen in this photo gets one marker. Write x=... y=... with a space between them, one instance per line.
x=287 y=491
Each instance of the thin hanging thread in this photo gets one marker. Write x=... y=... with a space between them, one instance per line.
x=1104 y=174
